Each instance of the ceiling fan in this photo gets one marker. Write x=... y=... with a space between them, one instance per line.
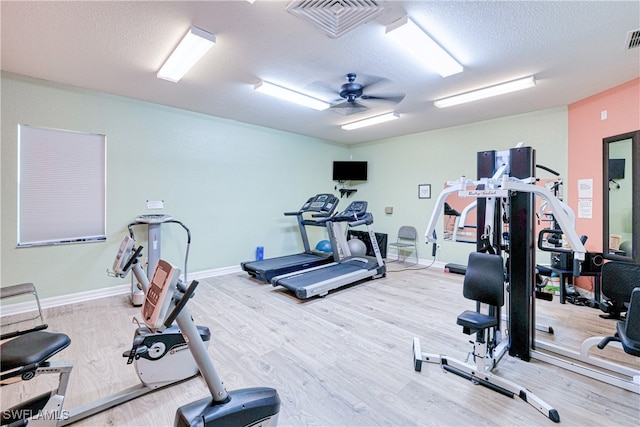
x=352 y=93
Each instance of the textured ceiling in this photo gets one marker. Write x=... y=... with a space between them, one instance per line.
x=575 y=49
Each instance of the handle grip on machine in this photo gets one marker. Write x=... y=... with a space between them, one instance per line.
x=132 y=259
x=321 y=215
x=324 y=219
x=181 y=304
x=541 y=239
x=367 y=219
x=576 y=262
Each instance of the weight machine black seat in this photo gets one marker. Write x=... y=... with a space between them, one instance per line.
x=472 y=321
x=483 y=283
x=29 y=351
x=628 y=330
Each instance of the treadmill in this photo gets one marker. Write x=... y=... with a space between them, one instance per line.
x=318 y=281
x=319 y=206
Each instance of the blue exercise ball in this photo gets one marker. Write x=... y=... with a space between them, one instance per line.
x=323 y=246
x=357 y=247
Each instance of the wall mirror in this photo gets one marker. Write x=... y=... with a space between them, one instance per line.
x=620 y=198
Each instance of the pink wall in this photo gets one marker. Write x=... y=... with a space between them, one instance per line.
x=586 y=131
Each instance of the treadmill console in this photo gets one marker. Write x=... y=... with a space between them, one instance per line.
x=355 y=211
x=324 y=203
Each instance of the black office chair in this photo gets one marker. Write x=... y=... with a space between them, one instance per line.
x=628 y=330
x=618 y=280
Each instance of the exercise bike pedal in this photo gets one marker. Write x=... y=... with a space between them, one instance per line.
x=136 y=349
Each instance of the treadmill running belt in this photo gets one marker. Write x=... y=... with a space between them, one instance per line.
x=348 y=271
x=266 y=269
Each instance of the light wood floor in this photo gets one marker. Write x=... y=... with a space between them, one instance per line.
x=342 y=360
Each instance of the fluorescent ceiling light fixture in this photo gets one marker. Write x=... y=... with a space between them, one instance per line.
x=192 y=47
x=406 y=33
x=371 y=121
x=487 y=92
x=290 y=95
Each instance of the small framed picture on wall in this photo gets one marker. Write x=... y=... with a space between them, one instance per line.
x=424 y=191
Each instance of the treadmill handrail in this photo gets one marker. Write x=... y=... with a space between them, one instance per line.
x=368 y=219
x=321 y=215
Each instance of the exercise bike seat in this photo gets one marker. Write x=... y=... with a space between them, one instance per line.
x=31 y=350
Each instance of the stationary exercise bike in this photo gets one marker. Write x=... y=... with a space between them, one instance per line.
x=247 y=407
x=160 y=358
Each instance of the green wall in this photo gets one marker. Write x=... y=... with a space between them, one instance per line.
x=230 y=182
x=397 y=166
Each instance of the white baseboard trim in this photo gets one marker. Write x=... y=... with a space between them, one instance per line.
x=421 y=261
x=24 y=307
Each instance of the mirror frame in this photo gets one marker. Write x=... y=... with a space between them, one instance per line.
x=635 y=203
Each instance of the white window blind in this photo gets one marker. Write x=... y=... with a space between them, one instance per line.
x=61 y=186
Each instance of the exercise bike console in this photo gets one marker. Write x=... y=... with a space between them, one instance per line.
x=156 y=304
x=258 y=406
x=123 y=257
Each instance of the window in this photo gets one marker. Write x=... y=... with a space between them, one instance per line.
x=61 y=186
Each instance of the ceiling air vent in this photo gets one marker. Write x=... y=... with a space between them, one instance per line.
x=633 y=39
x=336 y=17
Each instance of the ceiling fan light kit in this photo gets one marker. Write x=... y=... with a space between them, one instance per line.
x=371 y=121
x=487 y=92
x=290 y=95
x=353 y=91
x=191 y=48
x=407 y=34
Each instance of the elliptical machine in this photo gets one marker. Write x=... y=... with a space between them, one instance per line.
x=254 y=407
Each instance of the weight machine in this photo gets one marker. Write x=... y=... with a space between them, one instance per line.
x=505 y=192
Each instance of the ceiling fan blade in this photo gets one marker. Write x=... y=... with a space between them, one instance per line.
x=347 y=108
x=321 y=90
x=368 y=82
x=390 y=98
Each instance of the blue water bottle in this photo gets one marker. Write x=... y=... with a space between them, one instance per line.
x=259 y=253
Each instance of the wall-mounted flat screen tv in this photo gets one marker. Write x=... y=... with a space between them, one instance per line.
x=349 y=171
x=616 y=169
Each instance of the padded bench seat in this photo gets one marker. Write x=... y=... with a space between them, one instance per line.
x=472 y=321
x=33 y=348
